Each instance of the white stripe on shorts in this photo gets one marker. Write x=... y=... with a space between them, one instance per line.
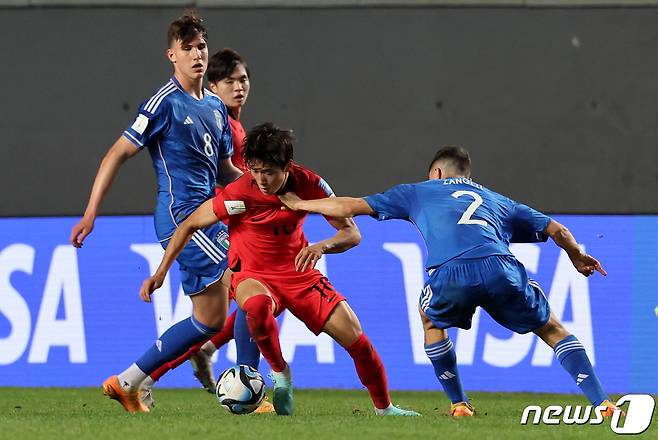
x=210 y=243
x=205 y=250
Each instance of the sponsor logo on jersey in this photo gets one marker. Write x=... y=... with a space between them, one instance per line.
x=140 y=124
x=234 y=207
x=188 y=121
x=218 y=119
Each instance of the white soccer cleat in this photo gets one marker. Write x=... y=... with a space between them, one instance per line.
x=146 y=397
x=202 y=366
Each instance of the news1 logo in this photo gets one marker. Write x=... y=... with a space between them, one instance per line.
x=637 y=418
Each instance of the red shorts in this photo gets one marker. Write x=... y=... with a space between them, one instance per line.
x=308 y=295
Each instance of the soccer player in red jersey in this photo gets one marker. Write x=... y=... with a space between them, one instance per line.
x=274 y=265
x=228 y=78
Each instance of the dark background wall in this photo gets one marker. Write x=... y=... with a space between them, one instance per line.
x=558 y=107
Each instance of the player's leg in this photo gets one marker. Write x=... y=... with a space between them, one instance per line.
x=520 y=305
x=202 y=364
x=208 y=316
x=249 y=354
x=449 y=299
x=326 y=310
x=441 y=352
x=256 y=300
x=572 y=356
x=205 y=257
x=218 y=339
x=201 y=359
x=247 y=350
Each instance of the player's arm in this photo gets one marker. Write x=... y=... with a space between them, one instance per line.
x=331 y=206
x=202 y=217
x=227 y=172
x=122 y=150
x=584 y=263
x=347 y=236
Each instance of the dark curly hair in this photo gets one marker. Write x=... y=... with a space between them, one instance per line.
x=269 y=144
x=186 y=27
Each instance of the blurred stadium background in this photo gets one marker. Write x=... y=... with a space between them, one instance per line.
x=556 y=101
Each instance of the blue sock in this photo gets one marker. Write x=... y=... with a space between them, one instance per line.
x=248 y=353
x=571 y=354
x=442 y=355
x=175 y=341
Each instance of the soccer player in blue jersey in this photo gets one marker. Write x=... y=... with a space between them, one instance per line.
x=467 y=229
x=186 y=131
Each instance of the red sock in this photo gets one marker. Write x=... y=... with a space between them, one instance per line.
x=222 y=337
x=264 y=330
x=371 y=371
x=219 y=339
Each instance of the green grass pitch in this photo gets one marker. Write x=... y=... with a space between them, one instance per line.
x=84 y=413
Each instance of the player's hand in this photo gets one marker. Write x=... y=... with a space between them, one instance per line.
x=587 y=265
x=148 y=287
x=80 y=231
x=307 y=257
x=290 y=200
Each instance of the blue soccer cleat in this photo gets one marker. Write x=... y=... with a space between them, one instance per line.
x=283 y=402
x=395 y=411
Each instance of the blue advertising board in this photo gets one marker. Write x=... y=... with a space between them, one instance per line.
x=72 y=317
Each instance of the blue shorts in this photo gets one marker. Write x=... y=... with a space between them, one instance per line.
x=499 y=284
x=205 y=258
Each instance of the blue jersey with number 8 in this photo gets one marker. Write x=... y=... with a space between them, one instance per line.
x=459 y=218
x=186 y=138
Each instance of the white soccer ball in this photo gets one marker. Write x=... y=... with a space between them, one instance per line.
x=240 y=389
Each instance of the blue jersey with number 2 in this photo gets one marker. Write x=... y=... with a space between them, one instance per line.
x=186 y=138
x=459 y=218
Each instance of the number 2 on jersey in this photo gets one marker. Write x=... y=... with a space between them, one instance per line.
x=207 y=147
x=466 y=217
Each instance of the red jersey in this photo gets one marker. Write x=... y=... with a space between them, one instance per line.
x=238 y=134
x=263 y=237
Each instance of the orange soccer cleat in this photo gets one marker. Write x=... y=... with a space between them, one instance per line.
x=265 y=407
x=462 y=409
x=130 y=401
x=610 y=409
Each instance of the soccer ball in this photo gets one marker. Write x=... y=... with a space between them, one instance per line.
x=240 y=389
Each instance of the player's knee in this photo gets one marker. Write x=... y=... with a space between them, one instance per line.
x=257 y=305
x=552 y=332
x=248 y=289
x=212 y=320
x=554 y=325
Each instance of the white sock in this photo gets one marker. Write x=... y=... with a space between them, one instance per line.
x=209 y=348
x=381 y=412
x=131 y=378
x=286 y=374
x=147 y=383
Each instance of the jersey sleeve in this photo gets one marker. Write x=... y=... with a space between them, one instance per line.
x=150 y=123
x=319 y=188
x=528 y=225
x=225 y=147
x=392 y=204
x=227 y=202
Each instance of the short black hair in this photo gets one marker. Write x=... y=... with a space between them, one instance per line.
x=186 y=27
x=269 y=144
x=222 y=64
x=457 y=155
